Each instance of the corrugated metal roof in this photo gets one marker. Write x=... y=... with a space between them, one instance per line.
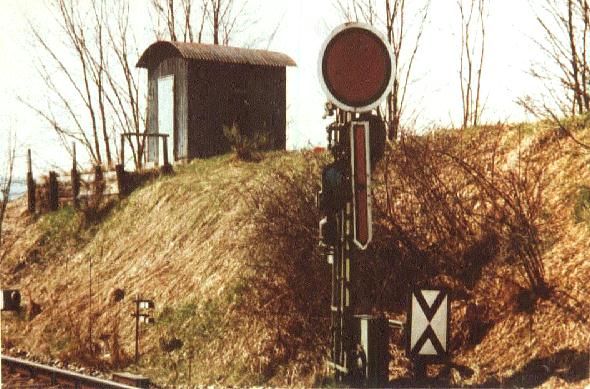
x=213 y=53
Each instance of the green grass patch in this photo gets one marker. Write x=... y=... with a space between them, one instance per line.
x=189 y=335
x=60 y=225
x=60 y=230
x=66 y=231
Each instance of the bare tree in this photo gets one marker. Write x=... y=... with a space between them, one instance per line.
x=473 y=22
x=224 y=18
x=189 y=20
x=397 y=27
x=124 y=97
x=6 y=180
x=396 y=31
x=165 y=12
x=566 y=76
x=93 y=90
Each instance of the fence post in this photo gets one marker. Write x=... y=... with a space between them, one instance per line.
x=75 y=178
x=122 y=180
x=53 y=191
x=99 y=185
x=123 y=150
x=30 y=184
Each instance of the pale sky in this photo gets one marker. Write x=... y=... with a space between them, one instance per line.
x=304 y=25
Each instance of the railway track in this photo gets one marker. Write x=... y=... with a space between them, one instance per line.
x=44 y=376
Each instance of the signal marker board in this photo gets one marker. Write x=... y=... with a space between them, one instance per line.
x=429 y=325
x=361 y=183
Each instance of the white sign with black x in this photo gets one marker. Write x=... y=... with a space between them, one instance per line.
x=429 y=322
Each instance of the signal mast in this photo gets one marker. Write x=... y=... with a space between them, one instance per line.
x=356 y=71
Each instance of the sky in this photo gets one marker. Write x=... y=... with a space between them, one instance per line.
x=303 y=25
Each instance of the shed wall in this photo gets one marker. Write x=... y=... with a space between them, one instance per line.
x=221 y=94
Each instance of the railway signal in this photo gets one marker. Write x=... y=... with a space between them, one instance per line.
x=355 y=69
x=333 y=195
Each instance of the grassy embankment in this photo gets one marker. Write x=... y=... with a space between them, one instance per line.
x=228 y=251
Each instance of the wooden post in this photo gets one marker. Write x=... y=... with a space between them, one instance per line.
x=53 y=191
x=121 y=180
x=123 y=150
x=165 y=145
x=30 y=184
x=98 y=181
x=75 y=178
x=166 y=167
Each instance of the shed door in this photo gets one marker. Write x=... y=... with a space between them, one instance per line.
x=166 y=112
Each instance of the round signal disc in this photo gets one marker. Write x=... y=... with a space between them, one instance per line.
x=355 y=67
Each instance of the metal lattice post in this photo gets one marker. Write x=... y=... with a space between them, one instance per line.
x=348 y=295
x=342 y=290
x=336 y=307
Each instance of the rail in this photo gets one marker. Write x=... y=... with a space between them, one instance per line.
x=59 y=376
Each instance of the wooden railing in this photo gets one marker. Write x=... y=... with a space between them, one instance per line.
x=166 y=167
x=78 y=186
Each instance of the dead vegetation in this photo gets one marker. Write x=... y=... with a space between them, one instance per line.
x=228 y=250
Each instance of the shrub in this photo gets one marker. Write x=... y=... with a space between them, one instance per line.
x=292 y=278
x=245 y=146
x=450 y=209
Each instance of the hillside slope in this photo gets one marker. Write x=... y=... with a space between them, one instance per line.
x=185 y=241
x=228 y=251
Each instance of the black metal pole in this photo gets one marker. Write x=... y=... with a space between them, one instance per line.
x=335 y=307
x=137 y=329
x=420 y=372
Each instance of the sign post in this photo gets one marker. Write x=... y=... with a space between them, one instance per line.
x=141 y=315
x=355 y=69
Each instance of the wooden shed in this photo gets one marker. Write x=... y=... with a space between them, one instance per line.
x=194 y=90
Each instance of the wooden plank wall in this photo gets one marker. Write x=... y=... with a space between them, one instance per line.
x=219 y=94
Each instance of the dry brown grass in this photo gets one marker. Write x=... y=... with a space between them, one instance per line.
x=228 y=251
x=184 y=239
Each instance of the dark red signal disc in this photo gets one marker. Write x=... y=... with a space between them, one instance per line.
x=356 y=67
